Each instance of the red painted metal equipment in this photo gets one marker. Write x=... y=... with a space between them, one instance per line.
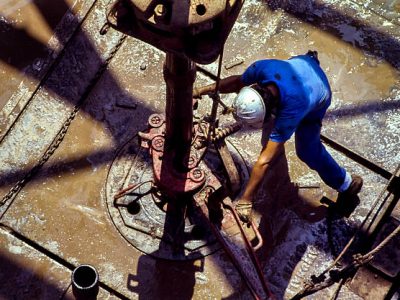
x=195 y=29
x=175 y=172
x=191 y=30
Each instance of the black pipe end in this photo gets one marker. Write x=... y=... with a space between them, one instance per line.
x=85 y=282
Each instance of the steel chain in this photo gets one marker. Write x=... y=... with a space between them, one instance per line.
x=320 y=282
x=12 y=193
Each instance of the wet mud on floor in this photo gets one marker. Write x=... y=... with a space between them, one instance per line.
x=63 y=208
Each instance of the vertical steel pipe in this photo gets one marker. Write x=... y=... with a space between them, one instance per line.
x=179 y=75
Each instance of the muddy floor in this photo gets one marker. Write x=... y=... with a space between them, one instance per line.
x=51 y=72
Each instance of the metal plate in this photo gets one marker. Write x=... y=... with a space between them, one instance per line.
x=147 y=220
x=388 y=259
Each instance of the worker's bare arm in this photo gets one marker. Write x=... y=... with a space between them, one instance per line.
x=267 y=157
x=231 y=84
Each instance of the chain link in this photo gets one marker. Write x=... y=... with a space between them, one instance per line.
x=13 y=192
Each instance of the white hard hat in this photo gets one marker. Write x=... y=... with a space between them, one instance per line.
x=249 y=107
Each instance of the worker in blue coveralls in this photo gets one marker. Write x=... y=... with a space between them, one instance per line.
x=299 y=91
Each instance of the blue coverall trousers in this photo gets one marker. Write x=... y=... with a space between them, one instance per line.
x=310 y=150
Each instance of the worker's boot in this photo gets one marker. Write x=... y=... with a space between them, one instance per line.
x=348 y=200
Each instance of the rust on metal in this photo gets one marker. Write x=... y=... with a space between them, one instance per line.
x=196 y=29
x=65 y=213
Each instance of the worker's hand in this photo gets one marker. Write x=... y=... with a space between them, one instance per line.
x=203 y=90
x=197 y=92
x=244 y=210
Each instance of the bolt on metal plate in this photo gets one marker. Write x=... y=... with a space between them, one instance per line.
x=146 y=219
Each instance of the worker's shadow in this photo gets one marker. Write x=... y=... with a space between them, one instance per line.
x=281 y=206
x=278 y=195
